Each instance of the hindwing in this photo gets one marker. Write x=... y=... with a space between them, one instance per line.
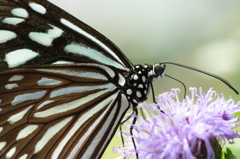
x=63 y=112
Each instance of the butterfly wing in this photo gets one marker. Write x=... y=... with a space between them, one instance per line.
x=53 y=115
x=60 y=95
x=36 y=32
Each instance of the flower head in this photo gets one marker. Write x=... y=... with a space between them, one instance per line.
x=182 y=129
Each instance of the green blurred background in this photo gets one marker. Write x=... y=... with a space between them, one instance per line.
x=202 y=33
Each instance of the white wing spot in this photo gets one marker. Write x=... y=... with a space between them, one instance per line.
x=92 y=75
x=26 y=131
x=91 y=53
x=1 y=128
x=49 y=134
x=82 y=32
x=79 y=89
x=2 y=145
x=16 y=78
x=20 y=12
x=12 y=21
x=103 y=104
x=46 y=39
x=38 y=8
x=19 y=57
x=121 y=80
x=48 y=82
x=11 y=152
x=11 y=86
x=23 y=156
x=16 y=117
x=6 y=36
x=44 y=103
x=70 y=105
x=62 y=62
x=28 y=96
x=124 y=106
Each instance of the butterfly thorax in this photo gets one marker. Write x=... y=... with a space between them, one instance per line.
x=139 y=82
x=138 y=85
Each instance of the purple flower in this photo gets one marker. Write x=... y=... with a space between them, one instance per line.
x=186 y=129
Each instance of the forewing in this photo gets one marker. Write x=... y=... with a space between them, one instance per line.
x=36 y=32
x=63 y=112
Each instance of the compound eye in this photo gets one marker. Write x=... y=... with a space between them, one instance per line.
x=158 y=70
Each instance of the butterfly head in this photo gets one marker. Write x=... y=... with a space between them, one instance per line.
x=157 y=70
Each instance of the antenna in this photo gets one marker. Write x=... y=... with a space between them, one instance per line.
x=204 y=72
x=184 y=95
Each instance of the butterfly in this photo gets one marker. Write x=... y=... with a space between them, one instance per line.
x=64 y=87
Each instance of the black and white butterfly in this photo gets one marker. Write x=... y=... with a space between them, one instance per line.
x=64 y=87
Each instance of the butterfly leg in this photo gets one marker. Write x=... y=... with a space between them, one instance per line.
x=131 y=130
x=121 y=127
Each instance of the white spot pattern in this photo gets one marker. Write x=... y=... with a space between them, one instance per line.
x=12 y=21
x=26 y=131
x=100 y=134
x=80 y=122
x=45 y=103
x=82 y=32
x=1 y=128
x=123 y=107
x=11 y=86
x=6 y=35
x=69 y=106
x=16 y=117
x=2 y=145
x=46 y=39
x=62 y=62
x=91 y=53
x=139 y=94
x=28 y=96
x=11 y=152
x=121 y=80
x=20 y=12
x=143 y=79
x=129 y=91
x=79 y=89
x=48 y=82
x=85 y=74
x=140 y=86
x=135 y=77
x=38 y=8
x=19 y=57
x=16 y=78
x=105 y=103
x=53 y=130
